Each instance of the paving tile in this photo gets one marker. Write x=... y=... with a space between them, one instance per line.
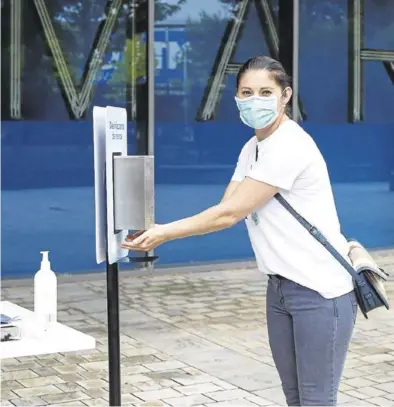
x=157 y=394
x=71 y=377
x=188 y=400
x=226 y=395
x=358 y=403
x=352 y=373
x=232 y=403
x=128 y=399
x=20 y=366
x=97 y=357
x=72 y=368
x=95 y=366
x=69 y=403
x=389 y=396
x=365 y=393
x=205 y=388
x=96 y=402
x=188 y=380
x=139 y=351
x=99 y=393
x=28 y=402
x=11 y=385
x=162 y=366
x=136 y=378
x=168 y=374
x=387 y=387
x=44 y=371
x=17 y=375
x=92 y=384
x=141 y=359
x=344 y=397
x=147 y=386
x=359 y=382
x=93 y=375
x=69 y=387
x=381 y=401
x=7 y=394
x=65 y=397
x=273 y=394
x=37 y=391
x=379 y=357
x=41 y=381
x=222 y=384
x=258 y=400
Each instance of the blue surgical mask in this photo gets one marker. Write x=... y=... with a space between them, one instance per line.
x=258 y=112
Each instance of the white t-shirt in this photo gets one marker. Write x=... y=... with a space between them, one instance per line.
x=290 y=160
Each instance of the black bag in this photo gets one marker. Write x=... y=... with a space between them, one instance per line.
x=368 y=285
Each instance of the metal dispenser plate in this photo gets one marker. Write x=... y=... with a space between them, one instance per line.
x=134 y=192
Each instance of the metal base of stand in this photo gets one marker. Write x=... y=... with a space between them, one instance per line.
x=113 y=325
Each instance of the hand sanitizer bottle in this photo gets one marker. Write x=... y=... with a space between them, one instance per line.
x=45 y=294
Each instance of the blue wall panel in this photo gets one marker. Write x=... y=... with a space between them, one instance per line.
x=48 y=197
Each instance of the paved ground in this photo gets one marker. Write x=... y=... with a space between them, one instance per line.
x=187 y=339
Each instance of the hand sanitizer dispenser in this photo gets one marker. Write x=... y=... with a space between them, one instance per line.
x=45 y=294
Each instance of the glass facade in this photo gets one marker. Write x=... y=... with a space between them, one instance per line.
x=349 y=103
x=62 y=57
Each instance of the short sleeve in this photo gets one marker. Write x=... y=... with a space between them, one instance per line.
x=240 y=172
x=242 y=164
x=280 y=166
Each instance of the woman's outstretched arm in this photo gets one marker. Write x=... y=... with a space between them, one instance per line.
x=247 y=197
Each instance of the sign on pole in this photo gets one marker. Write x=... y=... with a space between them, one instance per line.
x=110 y=139
x=116 y=144
x=99 y=181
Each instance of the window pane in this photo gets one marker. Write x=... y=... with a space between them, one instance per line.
x=360 y=156
x=197 y=144
x=47 y=157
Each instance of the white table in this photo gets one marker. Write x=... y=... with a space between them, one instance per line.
x=58 y=339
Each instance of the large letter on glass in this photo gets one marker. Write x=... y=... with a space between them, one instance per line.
x=223 y=64
x=78 y=102
x=357 y=55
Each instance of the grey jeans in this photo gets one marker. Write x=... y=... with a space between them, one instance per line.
x=309 y=338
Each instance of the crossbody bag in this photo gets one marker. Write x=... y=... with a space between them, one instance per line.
x=368 y=281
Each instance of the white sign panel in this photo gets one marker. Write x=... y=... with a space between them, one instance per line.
x=99 y=115
x=116 y=144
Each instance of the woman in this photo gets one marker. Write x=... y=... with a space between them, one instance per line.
x=311 y=305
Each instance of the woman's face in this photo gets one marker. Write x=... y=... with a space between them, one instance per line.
x=259 y=83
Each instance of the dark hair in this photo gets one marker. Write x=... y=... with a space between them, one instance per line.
x=274 y=67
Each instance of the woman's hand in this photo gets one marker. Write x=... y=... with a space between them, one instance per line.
x=145 y=240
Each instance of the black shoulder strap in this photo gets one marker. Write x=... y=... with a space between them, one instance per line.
x=318 y=236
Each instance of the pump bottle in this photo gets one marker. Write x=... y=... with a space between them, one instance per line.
x=45 y=294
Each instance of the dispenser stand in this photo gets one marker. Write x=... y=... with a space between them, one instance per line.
x=113 y=334
x=124 y=201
